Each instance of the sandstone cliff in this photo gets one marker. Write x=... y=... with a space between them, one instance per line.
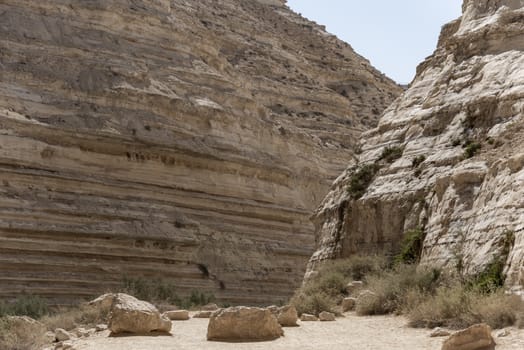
x=183 y=140
x=448 y=156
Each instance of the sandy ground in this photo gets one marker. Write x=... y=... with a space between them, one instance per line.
x=347 y=333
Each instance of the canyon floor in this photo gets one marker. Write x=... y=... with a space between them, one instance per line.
x=349 y=332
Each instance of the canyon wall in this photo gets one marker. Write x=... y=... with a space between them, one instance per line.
x=181 y=140
x=447 y=157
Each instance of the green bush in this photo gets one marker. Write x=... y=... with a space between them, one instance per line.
x=390 y=154
x=361 y=179
x=418 y=160
x=26 y=305
x=411 y=248
x=471 y=148
x=152 y=290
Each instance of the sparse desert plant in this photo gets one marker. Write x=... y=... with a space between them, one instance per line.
x=471 y=149
x=392 y=287
x=19 y=336
x=361 y=179
x=72 y=317
x=313 y=303
x=25 y=305
x=390 y=154
x=328 y=287
x=411 y=248
x=160 y=292
x=152 y=290
x=418 y=160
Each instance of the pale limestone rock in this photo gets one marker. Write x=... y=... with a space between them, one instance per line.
x=62 y=335
x=203 y=314
x=101 y=327
x=103 y=303
x=130 y=315
x=148 y=130
x=274 y=309
x=326 y=316
x=467 y=199
x=177 y=315
x=503 y=333
x=354 y=287
x=348 y=304
x=439 y=332
x=287 y=316
x=477 y=337
x=308 y=318
x=243 y=324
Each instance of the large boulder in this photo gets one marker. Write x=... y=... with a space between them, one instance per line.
x=241 y=323
x=103 y=303
x=477 y=337
x=287 y=316
x=130 y=315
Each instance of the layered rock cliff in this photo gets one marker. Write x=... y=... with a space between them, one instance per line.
x=447 y=157
x=183 y=140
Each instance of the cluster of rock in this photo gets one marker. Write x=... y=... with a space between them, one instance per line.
x=447 y=157
x=183 y=140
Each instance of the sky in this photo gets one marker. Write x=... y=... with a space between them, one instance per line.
x=395 y=36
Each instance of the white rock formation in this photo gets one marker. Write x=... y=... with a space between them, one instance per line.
x=460 y=174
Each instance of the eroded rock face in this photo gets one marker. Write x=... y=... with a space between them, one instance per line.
x=460 y=171
x=243 y=324
x=182 y=140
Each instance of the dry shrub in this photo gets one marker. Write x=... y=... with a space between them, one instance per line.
x=392 y=288
x=15 y=335
x=328 y=287
x=313 y=303
x=499 y=310
x=83 y=315
x=460 y=307
x=448 y=307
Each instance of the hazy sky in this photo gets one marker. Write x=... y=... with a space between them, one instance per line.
x=394 y=35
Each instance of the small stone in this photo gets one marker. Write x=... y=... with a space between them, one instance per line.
x=326 y=316
x=81 y=332
x=100 y=327
x=210 y=307
x=177 y=315
x=62 y=334
x=503 y=333
x=67 y=345
x=439 y=332
x=353 y=287
x=203 y=314
x=348 y=304
x=274 y=309
x=50 y=337
x=308 y=318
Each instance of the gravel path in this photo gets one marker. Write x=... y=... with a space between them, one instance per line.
x=348 y=333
